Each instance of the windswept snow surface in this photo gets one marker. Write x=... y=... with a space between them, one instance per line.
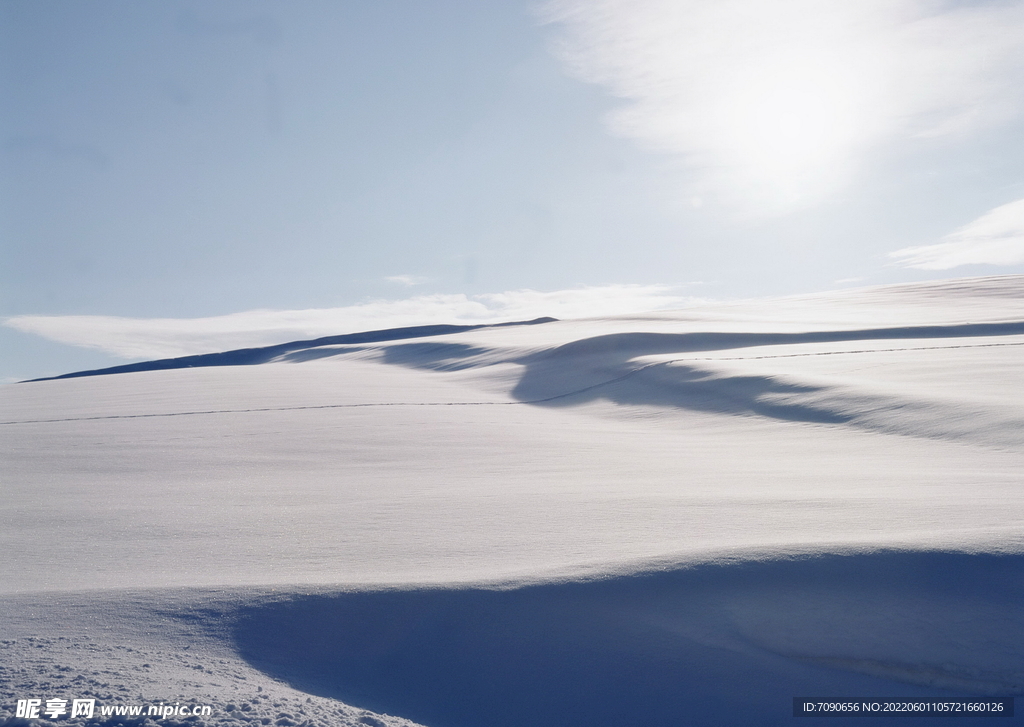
x=687 y=517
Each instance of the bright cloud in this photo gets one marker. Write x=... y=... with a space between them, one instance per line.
x=772 y=102
x=150 y=338
x=995 y=238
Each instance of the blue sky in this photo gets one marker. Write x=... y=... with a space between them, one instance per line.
x=179 y=173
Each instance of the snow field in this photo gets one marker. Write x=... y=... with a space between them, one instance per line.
x=682 y=518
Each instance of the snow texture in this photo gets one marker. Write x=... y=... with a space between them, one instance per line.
x=681 y=518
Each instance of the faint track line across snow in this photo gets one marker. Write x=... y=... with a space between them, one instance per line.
x=543 y=400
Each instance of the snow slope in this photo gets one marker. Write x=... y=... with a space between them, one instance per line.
x=688 y=517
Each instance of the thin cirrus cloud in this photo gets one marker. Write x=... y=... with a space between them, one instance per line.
x=153 y=338
x=772 y=103
x=995 y=238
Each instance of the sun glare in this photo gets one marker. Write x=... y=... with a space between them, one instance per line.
x=792 y=124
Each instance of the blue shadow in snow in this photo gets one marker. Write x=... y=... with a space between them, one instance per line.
x=659 y=650
x=253 y=356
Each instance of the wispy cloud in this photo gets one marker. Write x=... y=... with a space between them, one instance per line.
x=773 y=101
x=408 y=280
x=995 y=238
x=149 y=338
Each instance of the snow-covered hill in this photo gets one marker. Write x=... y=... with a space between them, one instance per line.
x=687 y=517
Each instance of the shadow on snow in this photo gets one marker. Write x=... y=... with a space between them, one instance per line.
x=725 y=644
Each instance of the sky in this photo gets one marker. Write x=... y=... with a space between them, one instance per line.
x=180 y=177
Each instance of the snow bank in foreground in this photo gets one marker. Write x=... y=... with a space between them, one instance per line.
x=726 y=643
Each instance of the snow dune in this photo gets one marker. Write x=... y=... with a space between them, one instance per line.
x=686 y=517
